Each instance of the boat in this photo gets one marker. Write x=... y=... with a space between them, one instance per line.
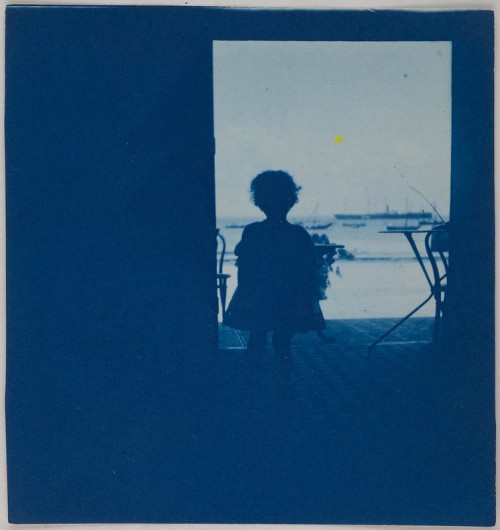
x=402 y=227
x=432 y=222
x=388 y=214
x=318 y=226
x=354 y=225
x=416 y=217
x=351 y=216
x=314 y=225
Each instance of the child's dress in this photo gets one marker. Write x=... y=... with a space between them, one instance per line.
x=277 y=280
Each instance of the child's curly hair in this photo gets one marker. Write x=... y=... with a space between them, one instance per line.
x=272 y=189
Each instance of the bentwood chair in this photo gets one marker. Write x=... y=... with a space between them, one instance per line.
x=221 y=277
x=437 y=244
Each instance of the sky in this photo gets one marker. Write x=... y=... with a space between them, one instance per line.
x=355 y=123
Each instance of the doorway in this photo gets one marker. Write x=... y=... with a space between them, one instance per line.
x=365 y=129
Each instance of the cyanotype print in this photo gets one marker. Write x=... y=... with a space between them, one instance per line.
x=250 y=262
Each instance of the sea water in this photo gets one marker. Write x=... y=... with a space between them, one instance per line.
x=383 y=280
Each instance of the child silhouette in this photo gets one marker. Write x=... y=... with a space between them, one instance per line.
x=277 y=271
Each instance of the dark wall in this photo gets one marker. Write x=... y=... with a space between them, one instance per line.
x=470 y=319
x=111 y=249
x=110 y=244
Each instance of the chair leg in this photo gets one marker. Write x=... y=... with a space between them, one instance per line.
x=223 y=294
x=437 y=319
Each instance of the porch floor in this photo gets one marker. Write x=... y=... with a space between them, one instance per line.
x=350 y=437
x=353 y=332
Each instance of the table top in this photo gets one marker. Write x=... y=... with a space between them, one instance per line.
x=402 y=231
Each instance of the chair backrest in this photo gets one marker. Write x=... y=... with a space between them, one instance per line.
x=222 y=253
x=438 y=241
x=440 y=238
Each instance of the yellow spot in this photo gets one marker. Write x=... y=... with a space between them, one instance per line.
x=338 y=139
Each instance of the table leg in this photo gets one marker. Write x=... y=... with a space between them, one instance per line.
x=380 y=339
x=223 y=294
x=409 y=237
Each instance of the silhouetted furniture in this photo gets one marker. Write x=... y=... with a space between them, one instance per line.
x=324 y=249
x=221 y=276
x=435 y=242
